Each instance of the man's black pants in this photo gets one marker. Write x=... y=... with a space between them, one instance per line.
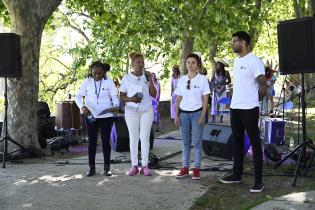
x=246 y=120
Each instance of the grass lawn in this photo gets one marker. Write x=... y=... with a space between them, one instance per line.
x=277 y=181
x=237 y=196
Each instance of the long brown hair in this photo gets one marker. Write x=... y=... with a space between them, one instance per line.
x=217 y=70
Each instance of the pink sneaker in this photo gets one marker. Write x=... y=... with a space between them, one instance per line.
x=145 y=171
x=133 y=171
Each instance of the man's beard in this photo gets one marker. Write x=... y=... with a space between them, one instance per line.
x=237 y=50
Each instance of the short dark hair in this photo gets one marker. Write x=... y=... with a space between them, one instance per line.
x=244 y=36
x=98 y=64
x=193 y=55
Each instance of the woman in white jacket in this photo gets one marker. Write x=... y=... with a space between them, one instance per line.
x=98 y=93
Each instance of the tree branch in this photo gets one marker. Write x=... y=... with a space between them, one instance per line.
x=205 y=8
x=74 y=27
x=79 y=14
x=296 y=8
x=79 y=31
x=64 y=65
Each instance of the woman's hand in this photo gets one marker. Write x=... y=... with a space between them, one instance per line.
x=176 y=121
x=135 y=99
x=85 y=111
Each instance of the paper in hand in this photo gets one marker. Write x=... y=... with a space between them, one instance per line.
x=108 y=110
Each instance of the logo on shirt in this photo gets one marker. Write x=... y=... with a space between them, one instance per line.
x=242 y=67
x=195 y=86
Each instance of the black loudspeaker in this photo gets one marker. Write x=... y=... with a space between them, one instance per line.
x=296 y=43
x=217 y=140
x=10 y=54
x=1 y=124
x=120 y=136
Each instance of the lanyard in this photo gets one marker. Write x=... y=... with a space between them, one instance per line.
x=97 y=93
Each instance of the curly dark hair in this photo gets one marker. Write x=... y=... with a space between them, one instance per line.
x=244 y=36
x=98 y=64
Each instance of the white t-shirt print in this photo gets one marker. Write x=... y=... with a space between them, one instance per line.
x=192 y=98
x=132 y=84
x=245 y=87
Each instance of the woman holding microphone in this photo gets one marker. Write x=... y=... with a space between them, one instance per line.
x=137 y=90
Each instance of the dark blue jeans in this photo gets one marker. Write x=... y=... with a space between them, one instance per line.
x=105 y=127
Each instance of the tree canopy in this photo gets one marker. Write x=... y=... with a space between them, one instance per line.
x=58 y=48
x=109 y=30
x=160 y=29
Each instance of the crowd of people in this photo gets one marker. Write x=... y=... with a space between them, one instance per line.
x=191 y=95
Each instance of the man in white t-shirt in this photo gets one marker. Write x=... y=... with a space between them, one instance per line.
x=249 y=88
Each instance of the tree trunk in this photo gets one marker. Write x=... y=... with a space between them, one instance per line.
x=187 y=46
x=213 y=53
x=300 y=11
x=312 y=7
x=27 y=19
x=127 y=64
x=254 y=29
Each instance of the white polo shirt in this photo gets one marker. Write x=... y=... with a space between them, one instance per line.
x=245 y=86
x=99 y=95
x=131 y=84
x=192 y=98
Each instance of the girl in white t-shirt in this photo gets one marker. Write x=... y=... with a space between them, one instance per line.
x=137 y=90
x=191 y=106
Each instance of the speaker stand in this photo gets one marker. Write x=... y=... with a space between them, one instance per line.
x=302 y=147
x=6 y=137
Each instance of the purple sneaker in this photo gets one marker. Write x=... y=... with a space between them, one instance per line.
x=145 y=171
x=133 y=171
